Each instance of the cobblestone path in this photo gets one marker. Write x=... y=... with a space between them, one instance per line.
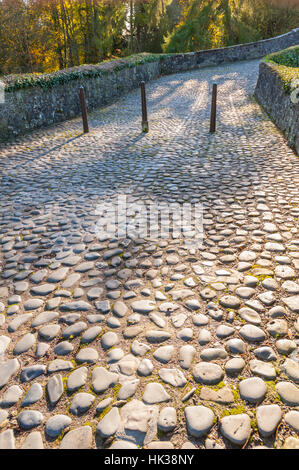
x=119 y=343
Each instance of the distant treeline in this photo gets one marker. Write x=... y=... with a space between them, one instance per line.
x=47 y=35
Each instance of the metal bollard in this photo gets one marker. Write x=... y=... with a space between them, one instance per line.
x=83 y=110
x=144 y=109
x=213 y=109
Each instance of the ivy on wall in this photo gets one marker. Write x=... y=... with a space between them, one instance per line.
x=286 y=63
x=47 y=81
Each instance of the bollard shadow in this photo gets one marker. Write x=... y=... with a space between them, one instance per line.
x=139 y=137
x=57 y=147
x=110 y=146
x=52 y=149
x=172 y=87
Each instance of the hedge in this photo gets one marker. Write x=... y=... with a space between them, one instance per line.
x=286 y=64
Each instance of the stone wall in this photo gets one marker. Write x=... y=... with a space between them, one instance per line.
x=34 y=107
x=31 y=108
x=179 y=62
x=271 y=94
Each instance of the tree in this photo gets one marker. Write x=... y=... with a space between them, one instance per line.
x=47 y=35
x=203 y=26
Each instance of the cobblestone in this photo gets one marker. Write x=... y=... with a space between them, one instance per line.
x=165 y=332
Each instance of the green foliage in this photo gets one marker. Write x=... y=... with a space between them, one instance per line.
x=44 y=36
x=286 y=65
x=203 y=28
x=46 y=81
x=268 y=17
x=288 y=57
x=219 y=23
x=150 y=22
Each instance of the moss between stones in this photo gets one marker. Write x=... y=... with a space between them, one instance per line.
x=198 y=390
x=218 y=386
x=236 y=410
x=61 y=435
x=115 y=390
x=104 y=412
x=262 y=277
x=236 y=395
x=272 y=393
